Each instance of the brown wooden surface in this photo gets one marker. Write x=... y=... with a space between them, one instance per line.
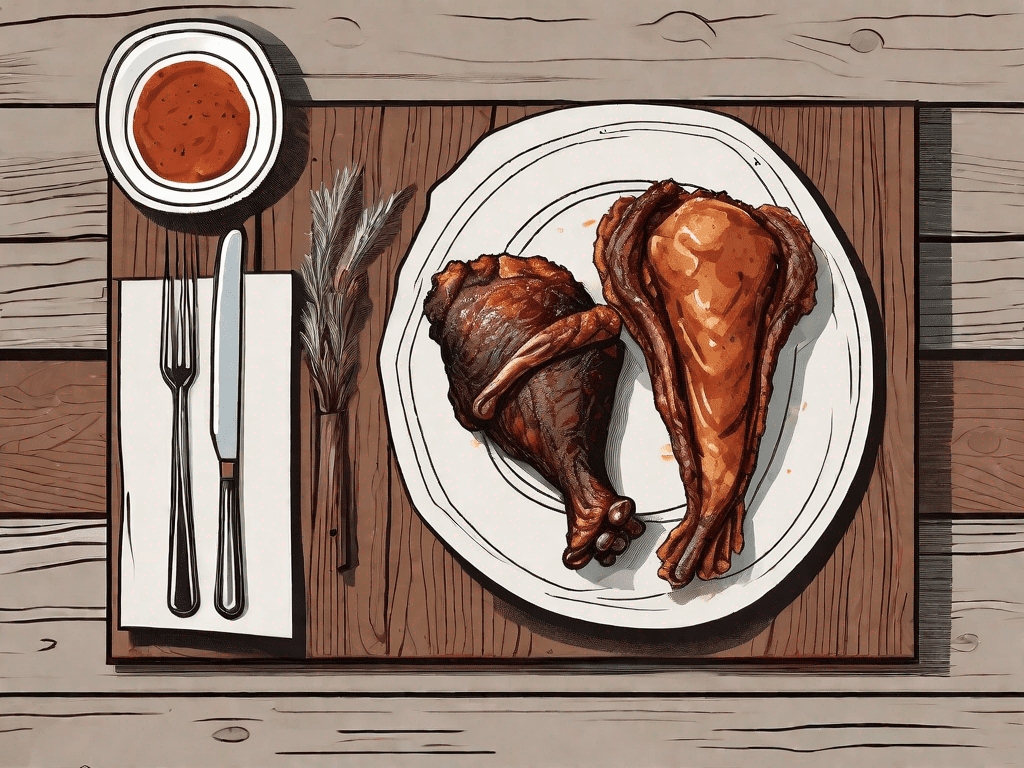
x=987 y=437
x=408 y=596
x=53 y=436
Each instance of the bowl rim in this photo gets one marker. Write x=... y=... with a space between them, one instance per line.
x=115 y=97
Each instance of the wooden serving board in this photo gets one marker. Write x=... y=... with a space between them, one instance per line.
x=407 y=597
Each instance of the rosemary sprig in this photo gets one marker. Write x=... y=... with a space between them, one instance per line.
x=346 y=239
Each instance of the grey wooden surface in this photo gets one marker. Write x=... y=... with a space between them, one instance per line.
x=668 y=730
x=460 y=49
x=60 y=704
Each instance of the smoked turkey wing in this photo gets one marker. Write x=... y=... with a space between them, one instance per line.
x=710 y=288
x=534 y=364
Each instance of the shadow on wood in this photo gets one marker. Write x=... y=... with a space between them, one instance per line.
x=935 y=215
x=935 y=518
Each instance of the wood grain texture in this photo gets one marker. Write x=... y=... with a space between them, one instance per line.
x=935 y=419
x=54 y=572
x=53 y=183
x=440 y=609
x=672 y=730
x=861 y=602
x=972 y=295
x=52 y=180
x=53 y=295
x=581 y=50
x=984 y=174
x=407 y=596
x=347 y=610
x=987 y=438
x=44 y=401
x=53 y=437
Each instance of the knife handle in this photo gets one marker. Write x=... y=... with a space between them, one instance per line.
x=229 y=592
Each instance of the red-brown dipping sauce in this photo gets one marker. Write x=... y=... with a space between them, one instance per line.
x=191 y=122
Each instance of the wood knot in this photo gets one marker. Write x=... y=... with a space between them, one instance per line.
x=983 y=441
x=343 y=32
x=865 y=40
x=684 y=27
x=232 y=734
x=965 y=643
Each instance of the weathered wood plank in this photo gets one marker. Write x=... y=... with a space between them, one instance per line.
x=437 y=608
x=987 y=438
x=53 y=438
x=53 y=184
x=53 y=295
x=983 y=174
x=52 y=180
x=582 y=50
x=972 y=295
x=347 y=611
x=50 y=158
x=986 y=612
x=673 y=730
x=967 y=566
x=50 y=571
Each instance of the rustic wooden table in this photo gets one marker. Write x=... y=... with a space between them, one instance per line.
x=958 y=702
x=408 y=597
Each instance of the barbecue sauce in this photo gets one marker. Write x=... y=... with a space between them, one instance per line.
x=191 y=122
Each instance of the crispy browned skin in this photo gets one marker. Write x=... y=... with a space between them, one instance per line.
x=534 y=363
x=711 y=289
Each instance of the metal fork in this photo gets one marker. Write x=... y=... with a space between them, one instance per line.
x=179 y=359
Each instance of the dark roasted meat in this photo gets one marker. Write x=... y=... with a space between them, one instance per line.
x=534 y=363
x=711 y=289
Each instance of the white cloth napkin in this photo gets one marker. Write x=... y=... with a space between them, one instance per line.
x=145 y=423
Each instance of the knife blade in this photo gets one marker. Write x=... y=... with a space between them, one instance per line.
x=225 y=407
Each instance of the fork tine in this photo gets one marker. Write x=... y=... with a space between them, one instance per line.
x=167 y=255
x=176 y=306
x=193 y=302
x=167 y=299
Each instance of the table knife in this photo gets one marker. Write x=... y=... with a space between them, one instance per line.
x=229 y=596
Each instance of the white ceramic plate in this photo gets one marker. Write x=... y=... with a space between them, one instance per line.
x=144 y=52
x=538 y=188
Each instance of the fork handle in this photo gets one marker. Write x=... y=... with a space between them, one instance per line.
x=183 y=576
x=229 y=593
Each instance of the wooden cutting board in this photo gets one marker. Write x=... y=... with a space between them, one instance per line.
x=407 y=597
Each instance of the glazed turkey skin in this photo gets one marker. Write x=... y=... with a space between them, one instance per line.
x=533 y=363
x=710 y=288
